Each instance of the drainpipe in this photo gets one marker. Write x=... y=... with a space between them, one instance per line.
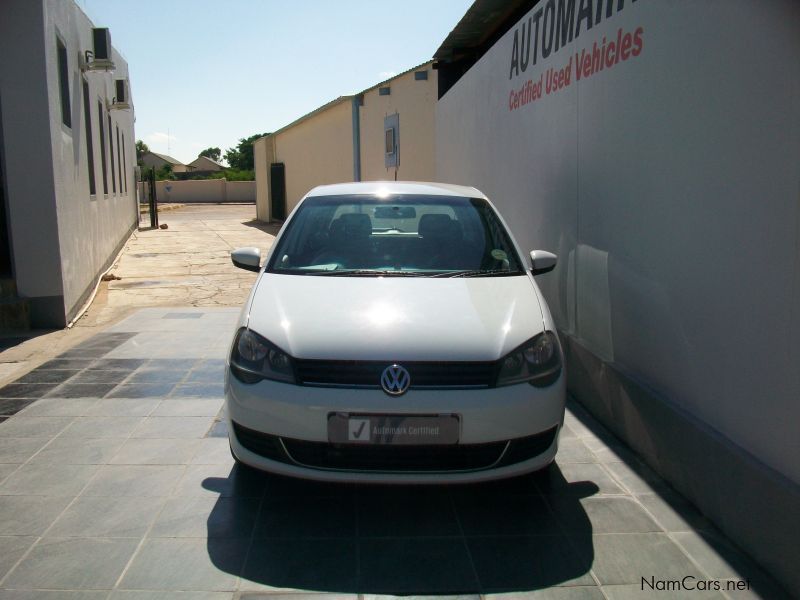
x=357 y=101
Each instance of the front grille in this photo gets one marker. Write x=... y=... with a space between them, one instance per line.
x=395 y=459
x=423 y=374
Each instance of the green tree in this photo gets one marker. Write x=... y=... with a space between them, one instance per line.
x=141 y=150
x=165 y=172
x=241 y=157
x=213 y=153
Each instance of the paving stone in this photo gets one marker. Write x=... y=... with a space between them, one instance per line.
x=48 y=480
x=18 y=450
x=173 y=427
x=90 y=376
x=102 y=427
x=122 y=364
x=60 y=407
x=213 y=451
x=221 y=480
x=284 y=564
x=82 y=390
x=626 y=558
x=42 y=375
x=405 y=512
x=170 y=595
x=516 y=515
x=142 y=390
x=577 y=479
x=124 y=407
x=576 y=592
x=72 y=564
x=673 y=512
x=635 y=592
x=22 y=426
x=307 y=518
x=11 y=406
x=607 y=514
x=721 y=560
x=29 y=515
x=156 y=452
x=14 y=547
x=54 y=594
x=510 y=563
x=151 y=375
x=107 y=517
x=199 y=390
x=134 y=480
x=26 y=390
x=72 y=364
x=78 y=451
x=415 y=566
x=186 y=564
x=207 y=517
x=192 y=407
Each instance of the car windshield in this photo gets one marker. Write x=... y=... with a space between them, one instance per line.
x=400 y=235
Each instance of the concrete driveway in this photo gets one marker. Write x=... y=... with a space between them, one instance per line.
x=116 y=482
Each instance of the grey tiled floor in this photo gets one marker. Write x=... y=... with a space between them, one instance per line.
x=116 y=482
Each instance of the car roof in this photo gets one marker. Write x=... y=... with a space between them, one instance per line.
x=396 y=188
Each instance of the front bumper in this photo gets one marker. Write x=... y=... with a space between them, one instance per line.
x=296 y=418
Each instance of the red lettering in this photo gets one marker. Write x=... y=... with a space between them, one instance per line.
x=610 y=54
x=637 y=41
x=625 y=50
x=619 y=43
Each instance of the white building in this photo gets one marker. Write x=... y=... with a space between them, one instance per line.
x=655 y=147
x=67 y=158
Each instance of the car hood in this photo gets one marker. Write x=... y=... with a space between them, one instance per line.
x=395 y=318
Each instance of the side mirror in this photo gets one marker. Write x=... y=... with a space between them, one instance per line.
x=542 y=262
x=248 y=259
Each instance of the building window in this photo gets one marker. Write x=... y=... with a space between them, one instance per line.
x=384 y=91
x=102 y=147
x=63 y=82
x=421 y=75
x=111 y=151
x=119 y=161
x=389 y=139
x=87 y=119
x=125 y=163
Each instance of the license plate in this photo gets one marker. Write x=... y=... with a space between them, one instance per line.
x=393 y=429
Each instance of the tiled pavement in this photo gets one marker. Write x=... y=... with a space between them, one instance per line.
x=116 y=482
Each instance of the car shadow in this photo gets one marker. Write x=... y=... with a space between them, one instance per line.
x=520 y=534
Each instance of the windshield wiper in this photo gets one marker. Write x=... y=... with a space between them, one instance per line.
x=475 y=273
x=365 y=273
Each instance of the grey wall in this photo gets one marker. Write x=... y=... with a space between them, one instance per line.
x=62 y=237
x=30 y=200
x=669 y=186
x=91 y=228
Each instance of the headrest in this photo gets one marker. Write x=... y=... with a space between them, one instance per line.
x=439 y=227
x=352 y=225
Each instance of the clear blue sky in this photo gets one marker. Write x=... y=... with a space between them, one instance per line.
x=210 y=73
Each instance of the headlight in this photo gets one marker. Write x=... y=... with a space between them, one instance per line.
x=254 y=358
x=538 y=361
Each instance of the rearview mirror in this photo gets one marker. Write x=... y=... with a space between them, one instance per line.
x=248 y=259
x=542 y=261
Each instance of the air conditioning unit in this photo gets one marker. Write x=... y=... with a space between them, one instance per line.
x=100 y=58
x=122 y=95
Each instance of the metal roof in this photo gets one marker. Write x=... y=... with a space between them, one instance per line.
x=166 y=158
x=483 y=23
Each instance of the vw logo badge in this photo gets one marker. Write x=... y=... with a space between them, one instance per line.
x=395 y=380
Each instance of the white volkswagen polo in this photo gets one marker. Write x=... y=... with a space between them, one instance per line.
x=395 y=334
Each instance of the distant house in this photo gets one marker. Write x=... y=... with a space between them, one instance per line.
x=158 y=161
x=203 y=163
x=386 y=132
